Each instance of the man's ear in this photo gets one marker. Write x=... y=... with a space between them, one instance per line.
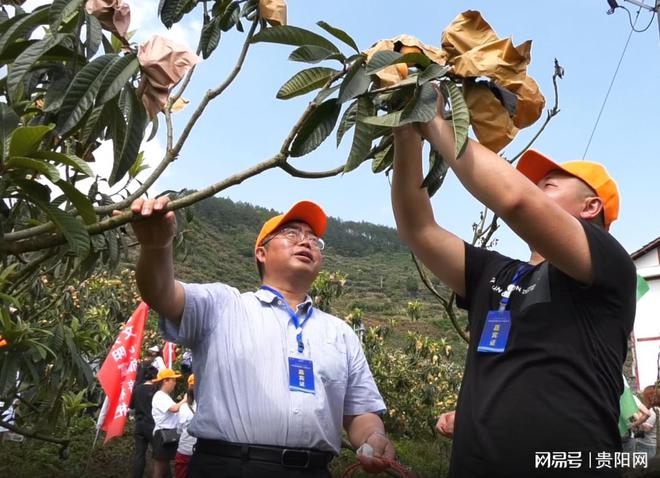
x=592 y=208
x=260 y=254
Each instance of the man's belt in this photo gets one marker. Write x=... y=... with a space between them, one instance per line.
x=287 y=457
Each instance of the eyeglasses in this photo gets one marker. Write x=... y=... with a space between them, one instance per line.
x=296 y=236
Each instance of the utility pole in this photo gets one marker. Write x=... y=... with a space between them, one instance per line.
x=651 y=8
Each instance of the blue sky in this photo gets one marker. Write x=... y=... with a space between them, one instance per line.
x=247 y=124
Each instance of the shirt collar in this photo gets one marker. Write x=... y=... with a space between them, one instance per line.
x=268 y=297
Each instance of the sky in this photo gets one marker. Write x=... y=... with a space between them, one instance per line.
x=247 y=124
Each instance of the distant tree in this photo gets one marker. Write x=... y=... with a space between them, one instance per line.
x=412 y=286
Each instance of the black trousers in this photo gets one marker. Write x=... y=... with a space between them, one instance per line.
x=143 y=434
x=212 y=466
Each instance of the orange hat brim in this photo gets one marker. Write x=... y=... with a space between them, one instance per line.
x=536 y=166
x=305 y=211
x=176 y=375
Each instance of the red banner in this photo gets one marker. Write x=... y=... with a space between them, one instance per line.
x=169 y=354
x=117 y=375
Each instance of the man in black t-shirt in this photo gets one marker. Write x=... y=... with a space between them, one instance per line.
x=144 y=421
x=540 y=393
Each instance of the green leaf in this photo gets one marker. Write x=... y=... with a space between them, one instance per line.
x=23 y=25
x=417 y=59
x=305 y=81
x=383 y=159
x=314 y=54
x=65 y=159
x=26 y=139
x=71 y=228
x=432 y=72
x=94 y=35
x=209 y=38
x=81 y=202
x=316 y=128
x=460 y=116
x=171 y=11
x=81 y=95
x=340 y=34
x=437 y=172
x=21 y=162
x=60 y=82
x=136 y=121
x=59 y=53
x=219 y=6
x=229 y=17
x=347 y=121
x=61 y=10
x=323 y=94
x=92 y=128
x=116 y=77
x=382 y=59
x=116 y=130
x=422 y=107
x=289 y=35
x=154 y=128
x=116 y=44
x=138 y=166
x=355 y=83
x=26 y=60
x=362 y=136
x=33 y=190
x=8 y=123
x=391 y=120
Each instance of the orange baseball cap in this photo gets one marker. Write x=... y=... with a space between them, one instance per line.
x=535 y=166
x=166 y=373
x=305 y=211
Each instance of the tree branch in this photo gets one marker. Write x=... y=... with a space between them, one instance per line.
x=186 y=81
x=551 y=113
x=54 y=239
x=311 y=175
x=169 y=129
x=427 y=282
x=36 y=436
x=448 y=305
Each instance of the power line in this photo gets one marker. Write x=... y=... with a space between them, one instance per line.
x=602 y=107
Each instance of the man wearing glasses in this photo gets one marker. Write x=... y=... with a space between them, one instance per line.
x=276 y=377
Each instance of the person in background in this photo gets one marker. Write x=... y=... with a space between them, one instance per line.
x=143 y=394
x=186 y=441
x=187 y=363
x=156 y=356
x=165 y=414
x=646 y=432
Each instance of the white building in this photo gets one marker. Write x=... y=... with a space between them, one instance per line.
x=646 y=333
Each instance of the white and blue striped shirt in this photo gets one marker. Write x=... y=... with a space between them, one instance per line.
x=241 y=344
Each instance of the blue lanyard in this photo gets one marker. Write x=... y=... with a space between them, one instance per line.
x=504 y=301
x=293 y=315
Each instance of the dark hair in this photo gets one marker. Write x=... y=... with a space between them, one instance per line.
x=651 y=396
x=260 y=268
x=150 y=372
x=190 y=395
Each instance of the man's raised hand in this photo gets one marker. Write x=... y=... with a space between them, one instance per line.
x=153 y=225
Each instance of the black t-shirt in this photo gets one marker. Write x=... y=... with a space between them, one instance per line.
x=556 y=387
x=141 y=403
